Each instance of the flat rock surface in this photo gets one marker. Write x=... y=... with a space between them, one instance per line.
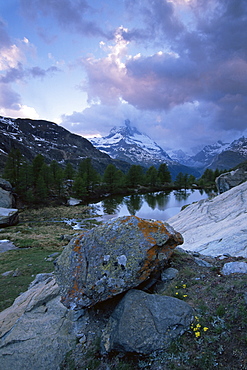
x=36 y=331
x=217 y=226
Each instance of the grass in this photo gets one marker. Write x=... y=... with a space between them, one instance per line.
x=38 y=234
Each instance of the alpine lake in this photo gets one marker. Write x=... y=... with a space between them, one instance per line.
x=160 y=205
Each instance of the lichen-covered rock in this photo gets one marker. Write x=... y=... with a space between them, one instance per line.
x=144 y=323
x=112 y=258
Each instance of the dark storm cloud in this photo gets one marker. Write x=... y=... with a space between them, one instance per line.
x=207 y=63
x=71 y=15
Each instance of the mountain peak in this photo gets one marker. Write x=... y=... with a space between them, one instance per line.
x=128 y=144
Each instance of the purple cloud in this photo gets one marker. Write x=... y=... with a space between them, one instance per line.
x=9 y=99
x=71 y=15
x=4 y=37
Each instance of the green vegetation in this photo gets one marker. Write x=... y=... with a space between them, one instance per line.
x=39 y=234
x=39 y=183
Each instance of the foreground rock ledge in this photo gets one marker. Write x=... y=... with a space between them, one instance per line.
x=112 y=258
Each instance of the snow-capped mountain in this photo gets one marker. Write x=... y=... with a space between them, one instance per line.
x=54 y=142
x=128 y=144
x=218 y=155
x=234 y=154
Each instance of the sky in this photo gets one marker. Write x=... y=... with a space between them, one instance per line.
x=176 y=69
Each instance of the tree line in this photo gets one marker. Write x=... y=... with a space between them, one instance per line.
x=38 y=181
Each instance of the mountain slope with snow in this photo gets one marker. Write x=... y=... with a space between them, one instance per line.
x=54 y=142
x=128 y=144
x=218 y=155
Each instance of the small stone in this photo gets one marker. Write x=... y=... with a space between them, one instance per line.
x=195 y=254
x=16 y=273
x=54 y=254
x=49 y=259
x=169 y=274
x=202 y=263
x=82 y=338
x=7 y=273
x=234 y=268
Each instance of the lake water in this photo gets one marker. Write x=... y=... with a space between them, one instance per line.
x=159 y=205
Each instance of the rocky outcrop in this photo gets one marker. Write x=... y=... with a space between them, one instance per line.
x=36 y=331
x=8 y=217
x=8 y=214
x=144 y=323
x=112 y=258
x=231 y=179
x=217 y=226
x=7 y=199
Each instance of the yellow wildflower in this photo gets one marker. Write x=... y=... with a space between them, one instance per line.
x=205 y=328
x=197 y=334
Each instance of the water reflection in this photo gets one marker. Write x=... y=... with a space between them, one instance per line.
x=134 y=203
x=159 y=205
x=181 y=194
x=112 y=205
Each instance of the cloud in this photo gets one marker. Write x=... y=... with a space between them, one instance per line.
x=71 y=15
x=9 y=99
x=4 y=37
x=205 y=64
x=41 y=73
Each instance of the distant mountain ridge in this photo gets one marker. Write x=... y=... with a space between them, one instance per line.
x=54 y=142
x=218 y=155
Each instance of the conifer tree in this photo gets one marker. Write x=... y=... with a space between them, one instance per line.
x=134 y=176
x=164 y=175
x=110 y=177
x=151 y=176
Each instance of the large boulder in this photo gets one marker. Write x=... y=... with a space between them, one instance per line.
x=8 y=216
x=36 y=332
x=231 y=179
x=217 y=226
x=7 y=199
x=144 y=323
x=112 y=258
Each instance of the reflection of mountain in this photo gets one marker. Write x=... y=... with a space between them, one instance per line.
x=162 y=200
